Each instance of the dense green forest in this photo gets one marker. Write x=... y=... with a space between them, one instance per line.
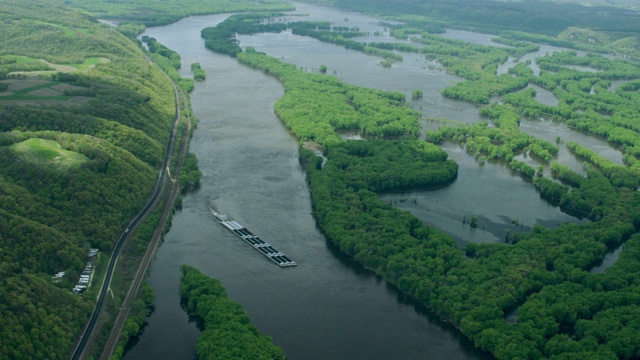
x=79 y=156
x=141 y=308
x=81 y=140
x=228 y=332
x=154 y=13
x=564 y=311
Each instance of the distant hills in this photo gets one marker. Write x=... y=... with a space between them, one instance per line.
x=542 y=17
x=634 y=4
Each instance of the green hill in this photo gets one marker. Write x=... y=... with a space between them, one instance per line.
x=84 y=124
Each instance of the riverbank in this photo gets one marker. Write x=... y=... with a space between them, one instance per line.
x=349 y=307
x=509 y=273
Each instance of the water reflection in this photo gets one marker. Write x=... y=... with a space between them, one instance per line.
x=473 y=37
x=499 y=198
x=512 y=316
x=543 y=96
x=560 y=134
x=610 y=258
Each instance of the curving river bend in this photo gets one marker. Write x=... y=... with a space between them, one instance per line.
x=328 y=307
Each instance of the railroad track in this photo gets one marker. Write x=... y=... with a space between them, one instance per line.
x=146 y=260
x=116 y=330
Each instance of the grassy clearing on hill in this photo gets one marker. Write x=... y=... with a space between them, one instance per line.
x=48 y=153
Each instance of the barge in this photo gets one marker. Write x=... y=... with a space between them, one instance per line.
x=254 y=241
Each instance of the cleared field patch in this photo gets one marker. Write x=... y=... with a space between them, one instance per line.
x=35 y=87
x=34 y=68
x=67 y=30
x=19 y=85
x=90 y=63
x=16 y=64
x=48 y=153
x=58 y=67
x=35 y=91
x=48 y=91
x=29 y=97
x=67 y=87
x=79 y=100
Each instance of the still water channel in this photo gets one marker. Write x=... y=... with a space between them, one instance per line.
x=328 y=307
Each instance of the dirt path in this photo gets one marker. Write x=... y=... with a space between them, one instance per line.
x=62 y=68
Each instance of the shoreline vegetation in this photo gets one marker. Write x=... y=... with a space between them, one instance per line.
x=49 y=217
x=154 y=13
x=541 y=273
x=169 y=61
x=228 y=332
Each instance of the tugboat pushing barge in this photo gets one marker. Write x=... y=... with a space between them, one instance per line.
x=264 y=248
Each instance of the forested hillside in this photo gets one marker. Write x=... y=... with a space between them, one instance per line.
x=84 y=122
x=153 y=13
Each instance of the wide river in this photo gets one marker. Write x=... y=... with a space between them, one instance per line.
x=328 y=307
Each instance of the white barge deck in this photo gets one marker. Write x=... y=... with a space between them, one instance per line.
x=254 y=240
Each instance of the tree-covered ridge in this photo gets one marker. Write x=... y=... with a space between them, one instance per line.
x=228 y=332
x=542 y=17
x=48 y=12
x=41 y=31
x=31 y=329
x=154 y=13
x=60 y=119
x=72 y=173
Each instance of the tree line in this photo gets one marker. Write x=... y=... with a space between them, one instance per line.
x=154 y=13
x=476 y=287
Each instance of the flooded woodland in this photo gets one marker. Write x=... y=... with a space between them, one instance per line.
x=328 y=306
